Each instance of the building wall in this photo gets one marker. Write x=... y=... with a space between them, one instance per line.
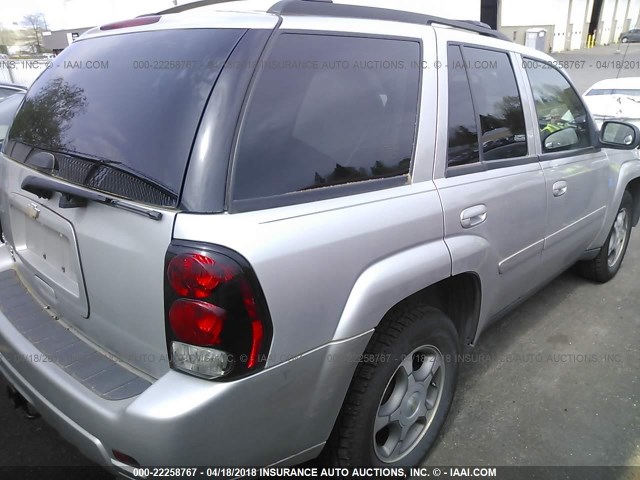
x=634 y=14
x=606 y=20
x=619 y=17
x=579 y=23
x=61 y=39
x=517 y=16
x=587 y=23
x=518 y=34
x=567 y=21
x=616 y=16
x=455 y=9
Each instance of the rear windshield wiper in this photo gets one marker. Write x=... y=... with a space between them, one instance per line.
x=89 y=171
x=75 y=197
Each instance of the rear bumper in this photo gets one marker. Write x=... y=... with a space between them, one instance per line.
x=281 y=415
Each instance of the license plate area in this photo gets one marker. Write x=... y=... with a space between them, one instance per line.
x=46 y=244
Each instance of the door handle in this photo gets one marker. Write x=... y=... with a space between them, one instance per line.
x=559 y=188
x=472 y=216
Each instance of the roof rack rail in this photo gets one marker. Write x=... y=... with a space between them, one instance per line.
x=327 y=8
x=191 y=6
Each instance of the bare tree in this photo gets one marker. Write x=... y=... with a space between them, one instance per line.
x=7 y=37
x=36 y=23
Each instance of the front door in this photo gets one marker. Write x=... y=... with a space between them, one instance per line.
x=575 y=172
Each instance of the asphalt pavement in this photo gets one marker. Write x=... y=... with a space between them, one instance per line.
x=591 y=65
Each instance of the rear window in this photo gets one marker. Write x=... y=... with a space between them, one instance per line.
x=121 y=112
x=328 y=111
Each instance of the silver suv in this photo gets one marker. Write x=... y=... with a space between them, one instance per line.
x=251 y=238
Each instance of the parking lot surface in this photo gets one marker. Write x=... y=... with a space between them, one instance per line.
x=589 y=66
x=555 y=382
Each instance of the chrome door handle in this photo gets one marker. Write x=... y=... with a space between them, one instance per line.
x=559 y=188
x=472 y=216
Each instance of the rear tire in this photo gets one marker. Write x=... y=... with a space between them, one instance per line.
x=400 y=395
x=605 y=266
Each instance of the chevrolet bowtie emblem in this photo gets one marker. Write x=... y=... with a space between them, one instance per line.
x=34 y=211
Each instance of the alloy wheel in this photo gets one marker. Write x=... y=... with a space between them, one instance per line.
x=409 y=404
x=618 y=237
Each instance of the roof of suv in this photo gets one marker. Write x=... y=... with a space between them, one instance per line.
x=263 y=13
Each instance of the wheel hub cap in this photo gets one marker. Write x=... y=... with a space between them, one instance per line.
x=618 y=237
x=408 y=404
x=412 y=407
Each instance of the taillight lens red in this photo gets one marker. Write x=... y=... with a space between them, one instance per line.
x=197 y=323
x=124 y=458
x=214 y=300
x=193 y=275
x=257 y=331
x=133 y=22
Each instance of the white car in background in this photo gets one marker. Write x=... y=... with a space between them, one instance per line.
x=617 y=98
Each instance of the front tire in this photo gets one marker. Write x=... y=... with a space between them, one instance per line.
x=400 y=395
x=624 y=40
x=605 y=266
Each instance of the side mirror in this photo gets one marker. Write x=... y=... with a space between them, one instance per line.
x=619 y=135
x=561 y=139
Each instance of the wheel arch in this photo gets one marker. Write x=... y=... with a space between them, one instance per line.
x=421 y=274
x=627 y=179
x=459 y=297
x=633 y=187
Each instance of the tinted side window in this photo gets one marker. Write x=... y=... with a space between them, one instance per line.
x=328 y=110
x=463 y=132
x=558 y=108
x=497 y=103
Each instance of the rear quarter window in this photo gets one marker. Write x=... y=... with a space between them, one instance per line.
x=328 y=111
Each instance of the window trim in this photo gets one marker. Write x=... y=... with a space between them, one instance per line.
x=482 y=165
x=568 y=153
x=475 y=115
x=593 y=132
x=331 y=191
x=318 y=194
x=477 y=167
x=194 y=184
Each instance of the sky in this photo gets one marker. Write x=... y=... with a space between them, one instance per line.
x=67 y=14
x=63 y=14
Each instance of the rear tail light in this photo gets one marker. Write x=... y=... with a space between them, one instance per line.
x=124 y=458
x=197 y=323
x=217 y=321
x=193 y=275
x=133 y=22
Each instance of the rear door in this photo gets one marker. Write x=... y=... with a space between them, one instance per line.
x=576 y=173
x=113 y=119
x=491 y=187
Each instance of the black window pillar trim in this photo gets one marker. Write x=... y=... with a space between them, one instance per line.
x=476 y=115
x=205 y=184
